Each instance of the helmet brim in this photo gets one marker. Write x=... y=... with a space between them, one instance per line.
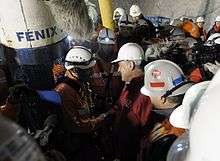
x=182 y=90
x=109 y=42
x=179 y=118
x=145 y=92
x=116 y=60
x=91 y=64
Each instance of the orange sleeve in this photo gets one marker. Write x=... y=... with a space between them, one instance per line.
x=195 y=75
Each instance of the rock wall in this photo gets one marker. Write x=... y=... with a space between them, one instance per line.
x=175 y=8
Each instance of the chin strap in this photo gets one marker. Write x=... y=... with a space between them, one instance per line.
x=169 y=92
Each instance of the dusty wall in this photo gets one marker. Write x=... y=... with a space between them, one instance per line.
x=175 y=8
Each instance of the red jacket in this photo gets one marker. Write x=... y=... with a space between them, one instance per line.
x=138 y=105
x=132 y=113
x=75 y=109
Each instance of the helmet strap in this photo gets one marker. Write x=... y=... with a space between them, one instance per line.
x=169 y=92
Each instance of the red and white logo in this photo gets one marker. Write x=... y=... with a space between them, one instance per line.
x=156 y=74
x=157 y=83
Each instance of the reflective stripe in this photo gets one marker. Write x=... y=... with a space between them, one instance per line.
x=157 y=84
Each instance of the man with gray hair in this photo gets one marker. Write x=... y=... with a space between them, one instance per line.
x=133 y=108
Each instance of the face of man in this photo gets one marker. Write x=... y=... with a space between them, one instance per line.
x=82 y=75
x=126 y=68
x=200 y=24
x=157 y=102
x=217 y=23
x=135 y=19
x=107 y=52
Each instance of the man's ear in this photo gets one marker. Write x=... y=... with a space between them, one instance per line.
x=131 y=65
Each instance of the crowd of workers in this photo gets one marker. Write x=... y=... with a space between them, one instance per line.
x=120 y=96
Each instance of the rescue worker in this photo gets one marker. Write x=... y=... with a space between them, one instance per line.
x=165 y=85
x=78 y=104
x=213 y=40
x=215 y=28
x=211 y=62
x=74 y=92
x=126 y=26
x=190 y=28
x=118 y=13
x=200 y=21
x=202 y=137
x=16 y=145
x=106 y=84
x=133 y=108
x=136 y=13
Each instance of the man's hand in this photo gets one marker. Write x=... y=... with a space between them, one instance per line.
x=213 y=68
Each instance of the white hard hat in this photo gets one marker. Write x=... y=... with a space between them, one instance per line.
x=204 y=128
x=217 y=19
x=79 y=57
x=126 y=21
x=106 y=36
x=130 y=51
x=213 y=39
x=162 y=76
x=118 y=12
x=180 y=117
x=135 y=11
x=16 y=145
x=200 y=19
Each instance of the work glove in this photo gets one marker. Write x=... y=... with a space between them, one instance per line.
x=213 y=68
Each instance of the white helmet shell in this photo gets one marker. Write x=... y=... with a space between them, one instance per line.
x=106 y=36
x=130 y=51
x=135 y=11
x=181 y=116
x=213 y=39
x=79 y=57
x=162 y=76
x=217 y=19
x=118 y=13
x=204 y=129
x=200 y=19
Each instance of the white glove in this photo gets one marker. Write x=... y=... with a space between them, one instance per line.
x=213 y=68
